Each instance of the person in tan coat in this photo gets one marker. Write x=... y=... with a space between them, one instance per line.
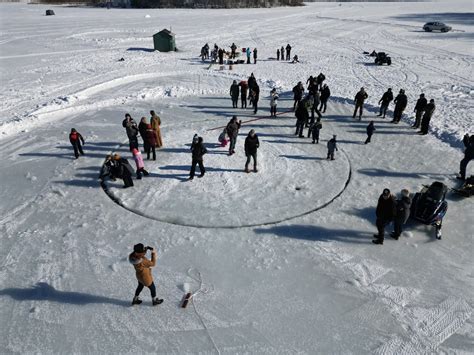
x=155 y=124
x=143 y=272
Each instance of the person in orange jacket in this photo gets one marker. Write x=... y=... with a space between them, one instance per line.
x=143 y=272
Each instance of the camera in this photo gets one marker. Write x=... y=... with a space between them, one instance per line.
x=149 y=248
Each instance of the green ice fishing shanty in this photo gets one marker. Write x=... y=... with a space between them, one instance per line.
x=164 y=41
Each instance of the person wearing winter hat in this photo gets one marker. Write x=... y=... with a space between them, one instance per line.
x=137 y=156
x=143 y=272
x=332 y=147
x=385 y=213
x=402 y=213
x=124 y=170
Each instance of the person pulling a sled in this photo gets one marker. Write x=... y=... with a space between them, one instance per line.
x=143 y=272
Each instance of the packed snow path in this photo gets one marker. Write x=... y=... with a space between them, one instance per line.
x=313 y=284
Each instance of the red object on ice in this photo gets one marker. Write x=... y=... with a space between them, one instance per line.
x=187 y=297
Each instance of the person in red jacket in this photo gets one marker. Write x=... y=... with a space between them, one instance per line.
x=76 y=139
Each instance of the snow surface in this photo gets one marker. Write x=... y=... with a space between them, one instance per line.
x=285 y=254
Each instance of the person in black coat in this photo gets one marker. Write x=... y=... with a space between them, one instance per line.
x=298 y=91
x=401 y=102
x=385 y=214
x=198 y=152
x=251 y=81
x=232 y=130
x=420 y=107
x=359 y=100
x=315 y=130
x=468 y=155
x=319 y=80
x=123 y=170
x=142 y=127
x=401 y=214
x=75 y=138
x=234 y=93
x=132 y=131
x=255 y=95
x=243 y=93
x=220 y=53
x=370 y=131
x=282 y=52
x=288 y=51
x=325 y=94
x=251 y=146
x=302 y=117
x=425 y=121
x=384 y=102
x=278 y=54
x=255 y=56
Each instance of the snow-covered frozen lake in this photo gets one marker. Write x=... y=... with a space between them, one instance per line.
x=285 y=254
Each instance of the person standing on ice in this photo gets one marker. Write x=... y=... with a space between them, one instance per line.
x=251 y=145
x=468 y=142
x=155 y=122
x=252 y=81
x=150 y=142
x=359 y=100
x=425 y=121
x=137 y=156
x=255 y=56
x=273 y=102
x=420 y=107
x=402 y=213
x=370 y=131
x=198 y=150
x=76 y=139
x=288 y=51
x=298 y=91
x=248 y=55
x=233 y=48
x=385 y=214
x=400 y=102
x=384 y=102
x=143 y=272
x=302 y=117
x=278 y=54
x=255 y=94
x=315 y=131
x=319 y=81
x=132 y=131
x=282 y=53
x=220 y=53
x=243 y=93
x=233 y=131
x=325 y=94
x=234 y=93
x=142 y=128
x=332 y=147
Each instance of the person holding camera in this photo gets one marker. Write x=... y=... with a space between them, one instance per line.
x=143 y=272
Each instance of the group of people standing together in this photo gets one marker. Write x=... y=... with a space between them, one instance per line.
x=423 y=109
x=246 y=89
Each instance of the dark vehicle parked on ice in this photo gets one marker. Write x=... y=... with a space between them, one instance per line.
x=436 y=26
x=382 y=58
x=429 y=205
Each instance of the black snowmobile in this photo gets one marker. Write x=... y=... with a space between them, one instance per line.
x=429 y=205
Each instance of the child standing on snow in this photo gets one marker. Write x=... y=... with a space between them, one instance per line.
x=76 y=138
x=332 y=147
x=273 y=102
x=137 y=156
x=370 y=131
x=223 y=138
x=143 y=272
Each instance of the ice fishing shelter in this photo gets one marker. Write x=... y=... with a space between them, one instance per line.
x=163 y=41
x=49 y=13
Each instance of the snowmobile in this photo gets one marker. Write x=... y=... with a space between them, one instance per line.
x=382 y=58
x=429 y=205
x=467 y=188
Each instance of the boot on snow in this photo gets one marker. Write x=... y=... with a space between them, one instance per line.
x=156 y=301
x=136 y=300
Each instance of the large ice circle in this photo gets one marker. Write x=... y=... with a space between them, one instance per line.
x=294 y=177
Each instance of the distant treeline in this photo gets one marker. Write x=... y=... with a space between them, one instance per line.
x=214 y=4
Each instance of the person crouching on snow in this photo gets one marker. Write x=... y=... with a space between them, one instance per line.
x=137 y=156
x=143 y=272
x=76 y=138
